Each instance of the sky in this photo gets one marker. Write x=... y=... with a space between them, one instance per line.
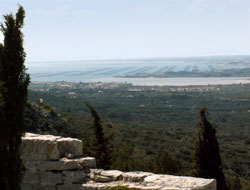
x=123 y=29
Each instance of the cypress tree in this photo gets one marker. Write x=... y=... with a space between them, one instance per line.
x=207 y=160
x=13 y=95
x=100 y=142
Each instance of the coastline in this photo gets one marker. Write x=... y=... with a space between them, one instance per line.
x=154 y=81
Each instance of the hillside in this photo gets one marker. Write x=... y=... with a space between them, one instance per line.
x=148 y=119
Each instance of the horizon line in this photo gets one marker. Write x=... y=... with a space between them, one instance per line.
x=143 y=58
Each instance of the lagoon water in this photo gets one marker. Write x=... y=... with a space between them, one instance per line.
x=106 y=70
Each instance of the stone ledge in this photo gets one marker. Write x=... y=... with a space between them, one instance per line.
x=67 y=164
x=100 y=180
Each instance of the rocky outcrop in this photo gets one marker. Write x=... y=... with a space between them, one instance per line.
x=101 y=180
x=55 y=163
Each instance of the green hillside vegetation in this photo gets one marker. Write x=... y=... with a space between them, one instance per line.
x=150 y=128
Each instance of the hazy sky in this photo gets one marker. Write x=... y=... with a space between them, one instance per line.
x=106 y=29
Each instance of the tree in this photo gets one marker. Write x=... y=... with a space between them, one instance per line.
x=123 y=158
x=100 y=144
x=235 y=184
x=207 y=160
x=13 y=95
x=163 y=163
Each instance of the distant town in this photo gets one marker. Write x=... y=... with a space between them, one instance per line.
x=63 y=85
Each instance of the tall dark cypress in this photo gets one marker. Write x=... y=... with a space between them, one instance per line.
x=207 y=160
x=100 y=142
x=13 y=95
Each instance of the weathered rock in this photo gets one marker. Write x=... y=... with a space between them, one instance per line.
x=69 y=187
x=99 y=178
x=47 y=147
x=113 y=174
x=47 y=170
x=146 y=180
x=68 y=155
x=100 y=175
x=31 y=178
x=70 y=177
x=30 y=166
x=51 y=178
x=43 y=187
x=177 y=182
x=135 y=176
x=89 y=162
x=39 y=147
x=69 y=146
x=63 y=164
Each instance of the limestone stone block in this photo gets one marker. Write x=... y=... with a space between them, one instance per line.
x=88 y=162
x=70 y=187
x=39 y=147
x=70 y=177
x=100 y=178
x=67 y=164
x=47 y=147
x=175 y=182
x=113 y=174
x=96 y=186
x=63 y=164
x=30 y=166
x=100 y=175
x=48 y=187
x=69 y=146
x=31 y=178
x=135 y=176
x=51 y=178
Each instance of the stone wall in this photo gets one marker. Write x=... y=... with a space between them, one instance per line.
x=56 y=163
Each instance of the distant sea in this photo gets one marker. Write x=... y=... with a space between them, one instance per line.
x=107 y=70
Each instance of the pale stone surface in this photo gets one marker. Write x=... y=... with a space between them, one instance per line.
x=48 y=147
x=67 y=164
x=135 y=176
x=146 y=180
x=70 y=177
x=68 y=146
x=89 y=162
x=39 y=148
x=63 y=164
x=100 y=175
x=169 y=181
x=113 y=174
x=48 y=169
